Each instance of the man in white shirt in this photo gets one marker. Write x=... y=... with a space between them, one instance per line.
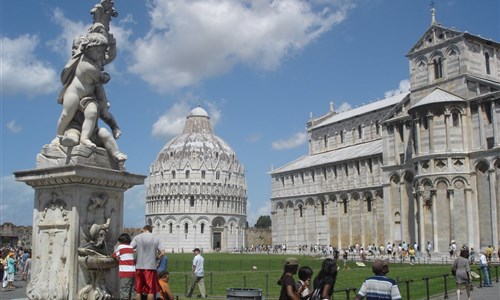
x=198 y=274
x=483 y=263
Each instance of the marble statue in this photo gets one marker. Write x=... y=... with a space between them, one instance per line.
x=79 y=179
x=83 y=97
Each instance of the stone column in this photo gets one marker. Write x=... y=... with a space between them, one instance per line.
x=435 y=223
x=493 y=206
x=74 y=204
x=431 y=132
x=481 y=125
x=494 y=120
x=417 y=136
x=447 y=130
x=451 y=213
x=421 y=228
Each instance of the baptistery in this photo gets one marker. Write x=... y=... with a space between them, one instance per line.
x=196 y=191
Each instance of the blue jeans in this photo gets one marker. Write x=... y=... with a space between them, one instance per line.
x=487 y=281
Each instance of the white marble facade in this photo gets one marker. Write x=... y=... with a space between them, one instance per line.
x=416 y=167
x=196 y=191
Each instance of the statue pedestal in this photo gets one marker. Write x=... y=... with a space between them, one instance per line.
x=69 y=199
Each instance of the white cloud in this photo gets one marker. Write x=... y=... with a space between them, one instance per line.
x=13 y=127
x=343 y=107
x=404 y=86
x=294 y=141
x=16 y=201
x=172 y=121
x=22 y=72
x=193 y=40
x=70 y=29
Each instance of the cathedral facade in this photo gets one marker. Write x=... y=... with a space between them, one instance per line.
x=196 y=191
x=421 y=166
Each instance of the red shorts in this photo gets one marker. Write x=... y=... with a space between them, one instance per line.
x=146 y=281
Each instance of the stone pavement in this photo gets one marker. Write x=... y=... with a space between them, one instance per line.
x=484 y=293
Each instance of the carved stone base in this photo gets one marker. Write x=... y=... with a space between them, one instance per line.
x=56 y=155
x=69 y=200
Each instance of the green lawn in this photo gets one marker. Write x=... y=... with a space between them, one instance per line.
x=261 y=271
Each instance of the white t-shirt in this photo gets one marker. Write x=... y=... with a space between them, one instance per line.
x=198 y=265
x=482 y=260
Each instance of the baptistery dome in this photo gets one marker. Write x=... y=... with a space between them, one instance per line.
x=196 y=191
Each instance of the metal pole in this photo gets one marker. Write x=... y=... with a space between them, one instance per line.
x=445 y=286
x=267 y=285
x=211 y=283
x=427 y=287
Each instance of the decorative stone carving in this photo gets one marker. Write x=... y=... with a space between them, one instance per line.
x=96 y=263
x=53 y=224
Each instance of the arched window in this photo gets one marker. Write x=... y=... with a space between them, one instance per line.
x=300 y=211
x=187 y=174
x=186 y=228
x=218 y=202
x=455 y=120
x=322 y=208
x=360 y=132
x=203 y=173
x=217 y=175
x=342 y=136
x=438 y=68
x=191 y=201
x=325 y=140
x=173 y=174
x=202 y=228
x=170 y=227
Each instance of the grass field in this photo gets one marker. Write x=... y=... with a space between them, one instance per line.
x=261 y=271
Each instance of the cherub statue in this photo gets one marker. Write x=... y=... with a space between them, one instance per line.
x=83 y=96
x=84 y=99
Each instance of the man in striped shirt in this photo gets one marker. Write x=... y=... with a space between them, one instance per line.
x=124 y=253
x=379 y=286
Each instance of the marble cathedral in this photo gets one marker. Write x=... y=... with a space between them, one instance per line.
x=196 y=191
x=422 y=166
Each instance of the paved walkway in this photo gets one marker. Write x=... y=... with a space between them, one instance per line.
x=484 y=293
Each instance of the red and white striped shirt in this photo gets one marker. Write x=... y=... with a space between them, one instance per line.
x=126 y=263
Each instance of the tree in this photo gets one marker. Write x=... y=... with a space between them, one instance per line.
x=264 y=222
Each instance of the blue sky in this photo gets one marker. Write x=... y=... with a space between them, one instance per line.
x=259 y=67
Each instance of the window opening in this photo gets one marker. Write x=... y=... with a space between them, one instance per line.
x=487 y=62
x=455 y=119
x=438 y=68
